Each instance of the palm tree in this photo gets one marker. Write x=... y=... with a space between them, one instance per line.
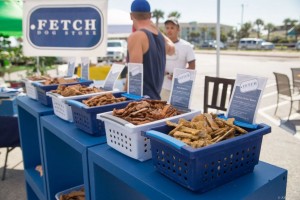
x=157 y=14
x=293 y=22
x=270 y=28
x=286 y=23
x=259 y=24
x=245 y=30
x=174 y=14
x=231 y=34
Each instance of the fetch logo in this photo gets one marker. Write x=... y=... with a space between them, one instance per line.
x=79 y=27
x=185 y=77
x=51 y=26
x=249 y=85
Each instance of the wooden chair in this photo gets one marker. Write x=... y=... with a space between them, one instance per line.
x=296 y=79
x=221 y=89
x=9 y=137
x=284 y=91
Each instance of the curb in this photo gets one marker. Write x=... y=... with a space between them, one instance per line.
x=254 y=54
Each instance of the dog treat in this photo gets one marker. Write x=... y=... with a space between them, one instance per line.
x=74 y=195
x=52 y=81
x=73 y=90
x=39 y=168
x=38 y=78
x=141 y=112
x=204 y=129
x=103 y=99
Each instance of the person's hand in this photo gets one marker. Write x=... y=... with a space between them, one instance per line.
x=169 y=75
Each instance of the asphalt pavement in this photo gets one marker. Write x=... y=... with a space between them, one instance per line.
x=281 y=147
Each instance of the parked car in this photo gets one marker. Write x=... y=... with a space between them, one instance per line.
x=297 y=45
x=221 y=44
x=267 y=45
x=205 y=44
x=255 y=43
x=212 y=44
x=116 y=50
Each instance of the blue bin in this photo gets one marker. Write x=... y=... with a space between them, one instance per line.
x=8 y=106
x=85 y=118
x=43 y=89
x=205 y=168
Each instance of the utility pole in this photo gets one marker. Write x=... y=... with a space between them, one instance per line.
x=218 y=39
x=242 y=16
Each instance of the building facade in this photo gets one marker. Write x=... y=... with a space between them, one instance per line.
x=198 y=33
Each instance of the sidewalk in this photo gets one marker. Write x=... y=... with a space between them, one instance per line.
x=282 y=54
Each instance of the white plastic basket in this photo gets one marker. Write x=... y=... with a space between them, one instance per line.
x=127 y=138
x=31 y=90
x=62 y=109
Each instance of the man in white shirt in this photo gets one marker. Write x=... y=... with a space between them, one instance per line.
x=183 y=58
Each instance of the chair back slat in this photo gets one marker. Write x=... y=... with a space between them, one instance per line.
x=215 y=94
x=283 y=84
x=296 y=78
x=224 y=96
x=220 y=95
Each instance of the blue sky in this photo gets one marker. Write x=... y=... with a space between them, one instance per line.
x=270 y=11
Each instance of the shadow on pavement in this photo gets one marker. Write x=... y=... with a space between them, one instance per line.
x=290 y=125
x=13 y=187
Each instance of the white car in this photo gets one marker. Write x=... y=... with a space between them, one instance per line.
x=214 y=44
x=255 y=43
x=267 y=45
x=116 y=50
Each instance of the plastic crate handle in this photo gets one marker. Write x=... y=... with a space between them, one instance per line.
x=132 y=96
x=166 y=138
x=114 y=119
x=37 y=83
x=51 y=94
x=76 y=104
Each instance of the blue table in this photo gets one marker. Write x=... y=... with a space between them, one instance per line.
x=65 y=154
x=29 y=114
x=8 y=106
x=115 y=176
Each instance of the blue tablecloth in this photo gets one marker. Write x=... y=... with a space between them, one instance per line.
x=9 y=131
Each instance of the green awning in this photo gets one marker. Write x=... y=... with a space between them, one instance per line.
x=11 y=13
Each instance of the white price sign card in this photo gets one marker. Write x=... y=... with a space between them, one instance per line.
x=85 y=68
x=245 y=98
x=182 y=86
x=71 y=66
x=112 y=76
x=135 y=79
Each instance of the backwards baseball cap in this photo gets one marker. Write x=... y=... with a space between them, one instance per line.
x=140 y=6
x=173 y=20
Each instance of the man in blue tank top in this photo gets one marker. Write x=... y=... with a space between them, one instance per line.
x=148 y=46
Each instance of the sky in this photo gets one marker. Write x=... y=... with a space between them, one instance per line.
x=205 y=11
